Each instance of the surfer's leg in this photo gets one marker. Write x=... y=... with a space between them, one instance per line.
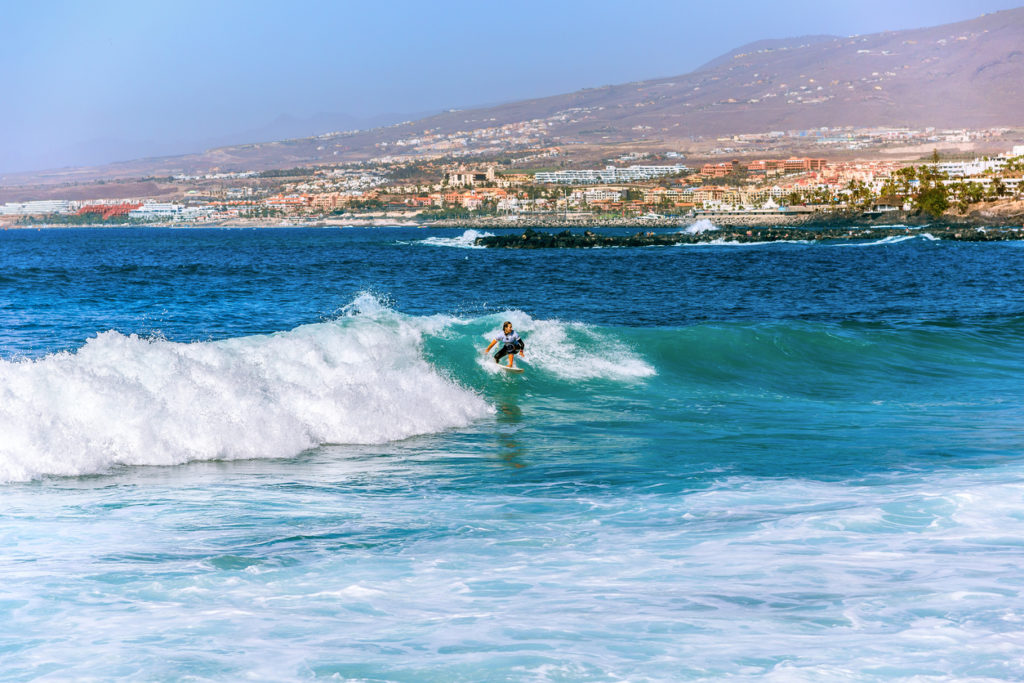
x=517 y=348
x=507 y=350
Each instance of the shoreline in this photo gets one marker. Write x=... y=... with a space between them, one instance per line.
x=978 y=218
x=996 y=215
x=233 y=224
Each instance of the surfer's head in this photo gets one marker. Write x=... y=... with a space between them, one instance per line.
x=506 y=327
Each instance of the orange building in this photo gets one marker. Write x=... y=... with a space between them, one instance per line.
x=106 y=211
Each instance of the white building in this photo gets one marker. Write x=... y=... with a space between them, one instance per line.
x=966 y=169
x=36 y=208
x=153 y=210
x=598 y=194
x=610 y=174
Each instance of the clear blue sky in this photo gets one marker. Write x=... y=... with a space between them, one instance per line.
x=92 y=82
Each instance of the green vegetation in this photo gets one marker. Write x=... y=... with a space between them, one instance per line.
x=82 y=219
x=736 y=177
x=450 y=212
x=298 y=171
x=262 y=212
x=932 y=196
x=933 y=201
x=416 y=170
x=361 y=205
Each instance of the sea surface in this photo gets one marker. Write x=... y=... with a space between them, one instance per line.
x=279 y=454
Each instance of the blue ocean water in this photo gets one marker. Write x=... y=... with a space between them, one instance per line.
x=280 y=454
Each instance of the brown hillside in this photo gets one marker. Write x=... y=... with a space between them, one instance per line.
x=963 y=75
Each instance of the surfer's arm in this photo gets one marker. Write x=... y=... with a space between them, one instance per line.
x=490 y=346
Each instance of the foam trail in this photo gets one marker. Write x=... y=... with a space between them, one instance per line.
x=723 y=242
x=466 y=240
x=892 y=239
x=125 y=400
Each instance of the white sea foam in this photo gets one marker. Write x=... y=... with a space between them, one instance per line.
x=723 y=242
x=466 y=240
x=574 y=350
x=125 y=400
x=910 y=576
x=703 y=225
x=891 y=239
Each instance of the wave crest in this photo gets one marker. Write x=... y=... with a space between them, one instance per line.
x=126 y=400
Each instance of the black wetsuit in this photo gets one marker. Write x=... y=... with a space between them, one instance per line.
x=512 y=344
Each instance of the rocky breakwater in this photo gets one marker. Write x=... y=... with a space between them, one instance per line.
x=531 y=239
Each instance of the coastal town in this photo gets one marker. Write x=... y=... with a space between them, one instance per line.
x=431 y=182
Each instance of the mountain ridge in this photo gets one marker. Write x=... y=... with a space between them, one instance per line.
x=967 y=74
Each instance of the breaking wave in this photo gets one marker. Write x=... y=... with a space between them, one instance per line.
x=467 y=240
x=126 y=400
x=370 y=376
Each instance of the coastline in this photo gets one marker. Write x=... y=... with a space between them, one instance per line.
x=1003 y=214
x=235 y=223
x=988 y=215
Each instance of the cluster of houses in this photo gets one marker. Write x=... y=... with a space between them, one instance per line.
x=757 y=185
x=104 y=210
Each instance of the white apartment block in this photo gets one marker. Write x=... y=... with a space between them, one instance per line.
x=610 y=174
x=966 y=169
x=43 y=206
x=155 y=210
x=598 y=194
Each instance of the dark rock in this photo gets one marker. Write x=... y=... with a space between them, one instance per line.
x=531 y=239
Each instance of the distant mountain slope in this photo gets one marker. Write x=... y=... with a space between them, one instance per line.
x=769 y=45
x=967 y=74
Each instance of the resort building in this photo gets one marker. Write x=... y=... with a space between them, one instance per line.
x=786 y=165
x=966 y=169
x=610 y=174
x=151 y=210
x=470 y=178
x=36 y=208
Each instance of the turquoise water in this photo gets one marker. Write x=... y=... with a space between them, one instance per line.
x=280 y=455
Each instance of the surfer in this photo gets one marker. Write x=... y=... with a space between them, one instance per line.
x=512 y=344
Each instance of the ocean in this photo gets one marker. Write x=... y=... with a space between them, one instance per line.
x=280 y=454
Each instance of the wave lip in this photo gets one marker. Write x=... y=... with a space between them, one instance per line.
x=125 y=400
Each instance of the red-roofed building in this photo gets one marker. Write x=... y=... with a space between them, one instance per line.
x=105 y=211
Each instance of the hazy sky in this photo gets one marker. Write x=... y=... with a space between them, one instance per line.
x=96 y=81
